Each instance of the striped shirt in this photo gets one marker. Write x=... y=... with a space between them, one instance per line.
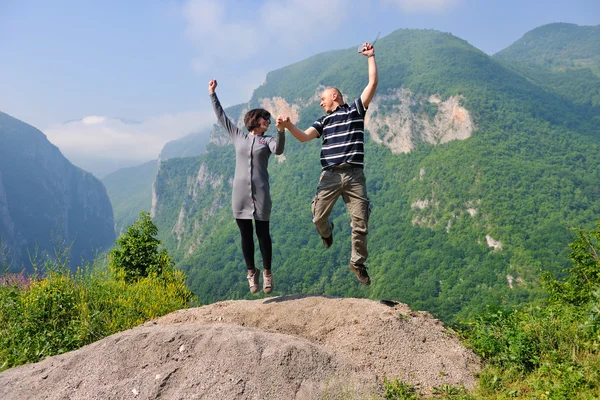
x=342 y=134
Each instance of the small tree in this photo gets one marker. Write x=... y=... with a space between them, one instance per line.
x=136 y=254
x=584 y=276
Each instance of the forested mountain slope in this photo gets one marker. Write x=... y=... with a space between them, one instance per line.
x=559 y=46
x=193 y=144
x=130 y=191
x=475 y=173
x=563 y=58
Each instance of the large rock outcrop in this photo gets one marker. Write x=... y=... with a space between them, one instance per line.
x=291 y=347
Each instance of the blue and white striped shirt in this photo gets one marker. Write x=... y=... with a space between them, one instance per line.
x=342 y=134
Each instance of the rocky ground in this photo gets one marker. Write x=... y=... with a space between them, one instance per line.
x=289 y=347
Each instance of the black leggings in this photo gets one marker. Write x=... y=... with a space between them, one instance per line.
x=264 y=242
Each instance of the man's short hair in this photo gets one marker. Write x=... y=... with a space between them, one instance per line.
x=252 y=118
x=338 y=93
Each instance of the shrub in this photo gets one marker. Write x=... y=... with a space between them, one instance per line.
x=137 y=253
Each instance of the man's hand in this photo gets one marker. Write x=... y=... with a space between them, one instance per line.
x=367 y=95
x=212 y=86
x=367 y=49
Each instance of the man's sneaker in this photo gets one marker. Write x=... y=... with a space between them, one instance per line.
x=253 y=280
x=327 y=242
x=361 y=273
x=267 y=282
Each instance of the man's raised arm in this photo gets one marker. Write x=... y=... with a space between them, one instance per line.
x=369 y=91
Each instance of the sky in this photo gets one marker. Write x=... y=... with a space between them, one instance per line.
x=116 y=80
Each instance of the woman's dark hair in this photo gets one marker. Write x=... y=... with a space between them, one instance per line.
x=252 y=118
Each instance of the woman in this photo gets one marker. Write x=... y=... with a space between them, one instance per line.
x=251 y=197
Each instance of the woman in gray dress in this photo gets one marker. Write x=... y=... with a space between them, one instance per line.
x=251 y=197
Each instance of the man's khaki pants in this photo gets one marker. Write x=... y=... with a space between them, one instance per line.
x=349 y=182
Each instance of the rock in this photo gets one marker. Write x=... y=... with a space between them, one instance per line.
x=289 y=347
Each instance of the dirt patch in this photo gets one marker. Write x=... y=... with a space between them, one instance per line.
x=289 y=347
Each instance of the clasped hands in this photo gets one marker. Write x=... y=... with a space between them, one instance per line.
x=282 y=122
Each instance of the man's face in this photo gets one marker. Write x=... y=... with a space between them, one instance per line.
x=327 y=100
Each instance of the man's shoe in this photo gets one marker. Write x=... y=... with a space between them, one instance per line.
x=253 y=280
x=361 y=273
x=267 y=282
x=327 y=242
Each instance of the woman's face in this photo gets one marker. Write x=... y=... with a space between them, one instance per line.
x=263 y=127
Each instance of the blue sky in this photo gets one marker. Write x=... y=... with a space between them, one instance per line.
x=150 y=60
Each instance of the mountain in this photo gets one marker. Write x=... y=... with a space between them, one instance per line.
x=130 y=191
x=190 y=145
x=558 y=46
x=47 y=205
x=475 y=173
x=101 y=168
x=563 y=58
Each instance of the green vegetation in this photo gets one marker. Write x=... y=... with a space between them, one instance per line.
x=58 y=311
x=136 y=255
x=558 y=46
x=561 y=58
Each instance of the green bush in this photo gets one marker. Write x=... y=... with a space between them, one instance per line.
x=44 y=315
x=137 y=255
x=584 y=276
x=63 y=311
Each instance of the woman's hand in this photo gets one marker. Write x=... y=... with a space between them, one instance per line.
x=212 y=86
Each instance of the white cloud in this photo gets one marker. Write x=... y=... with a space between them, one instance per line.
x=423 y=6
x=301 y=22
x=217 y=38
x=104 y=138
x=228 y=35
x=290 y=22
x=93 y=120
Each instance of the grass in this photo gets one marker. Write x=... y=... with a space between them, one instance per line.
x=60 y=311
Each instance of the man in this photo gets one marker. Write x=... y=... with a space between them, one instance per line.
x=342 y=160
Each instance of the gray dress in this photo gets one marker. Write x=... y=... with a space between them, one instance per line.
x=251 y=197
